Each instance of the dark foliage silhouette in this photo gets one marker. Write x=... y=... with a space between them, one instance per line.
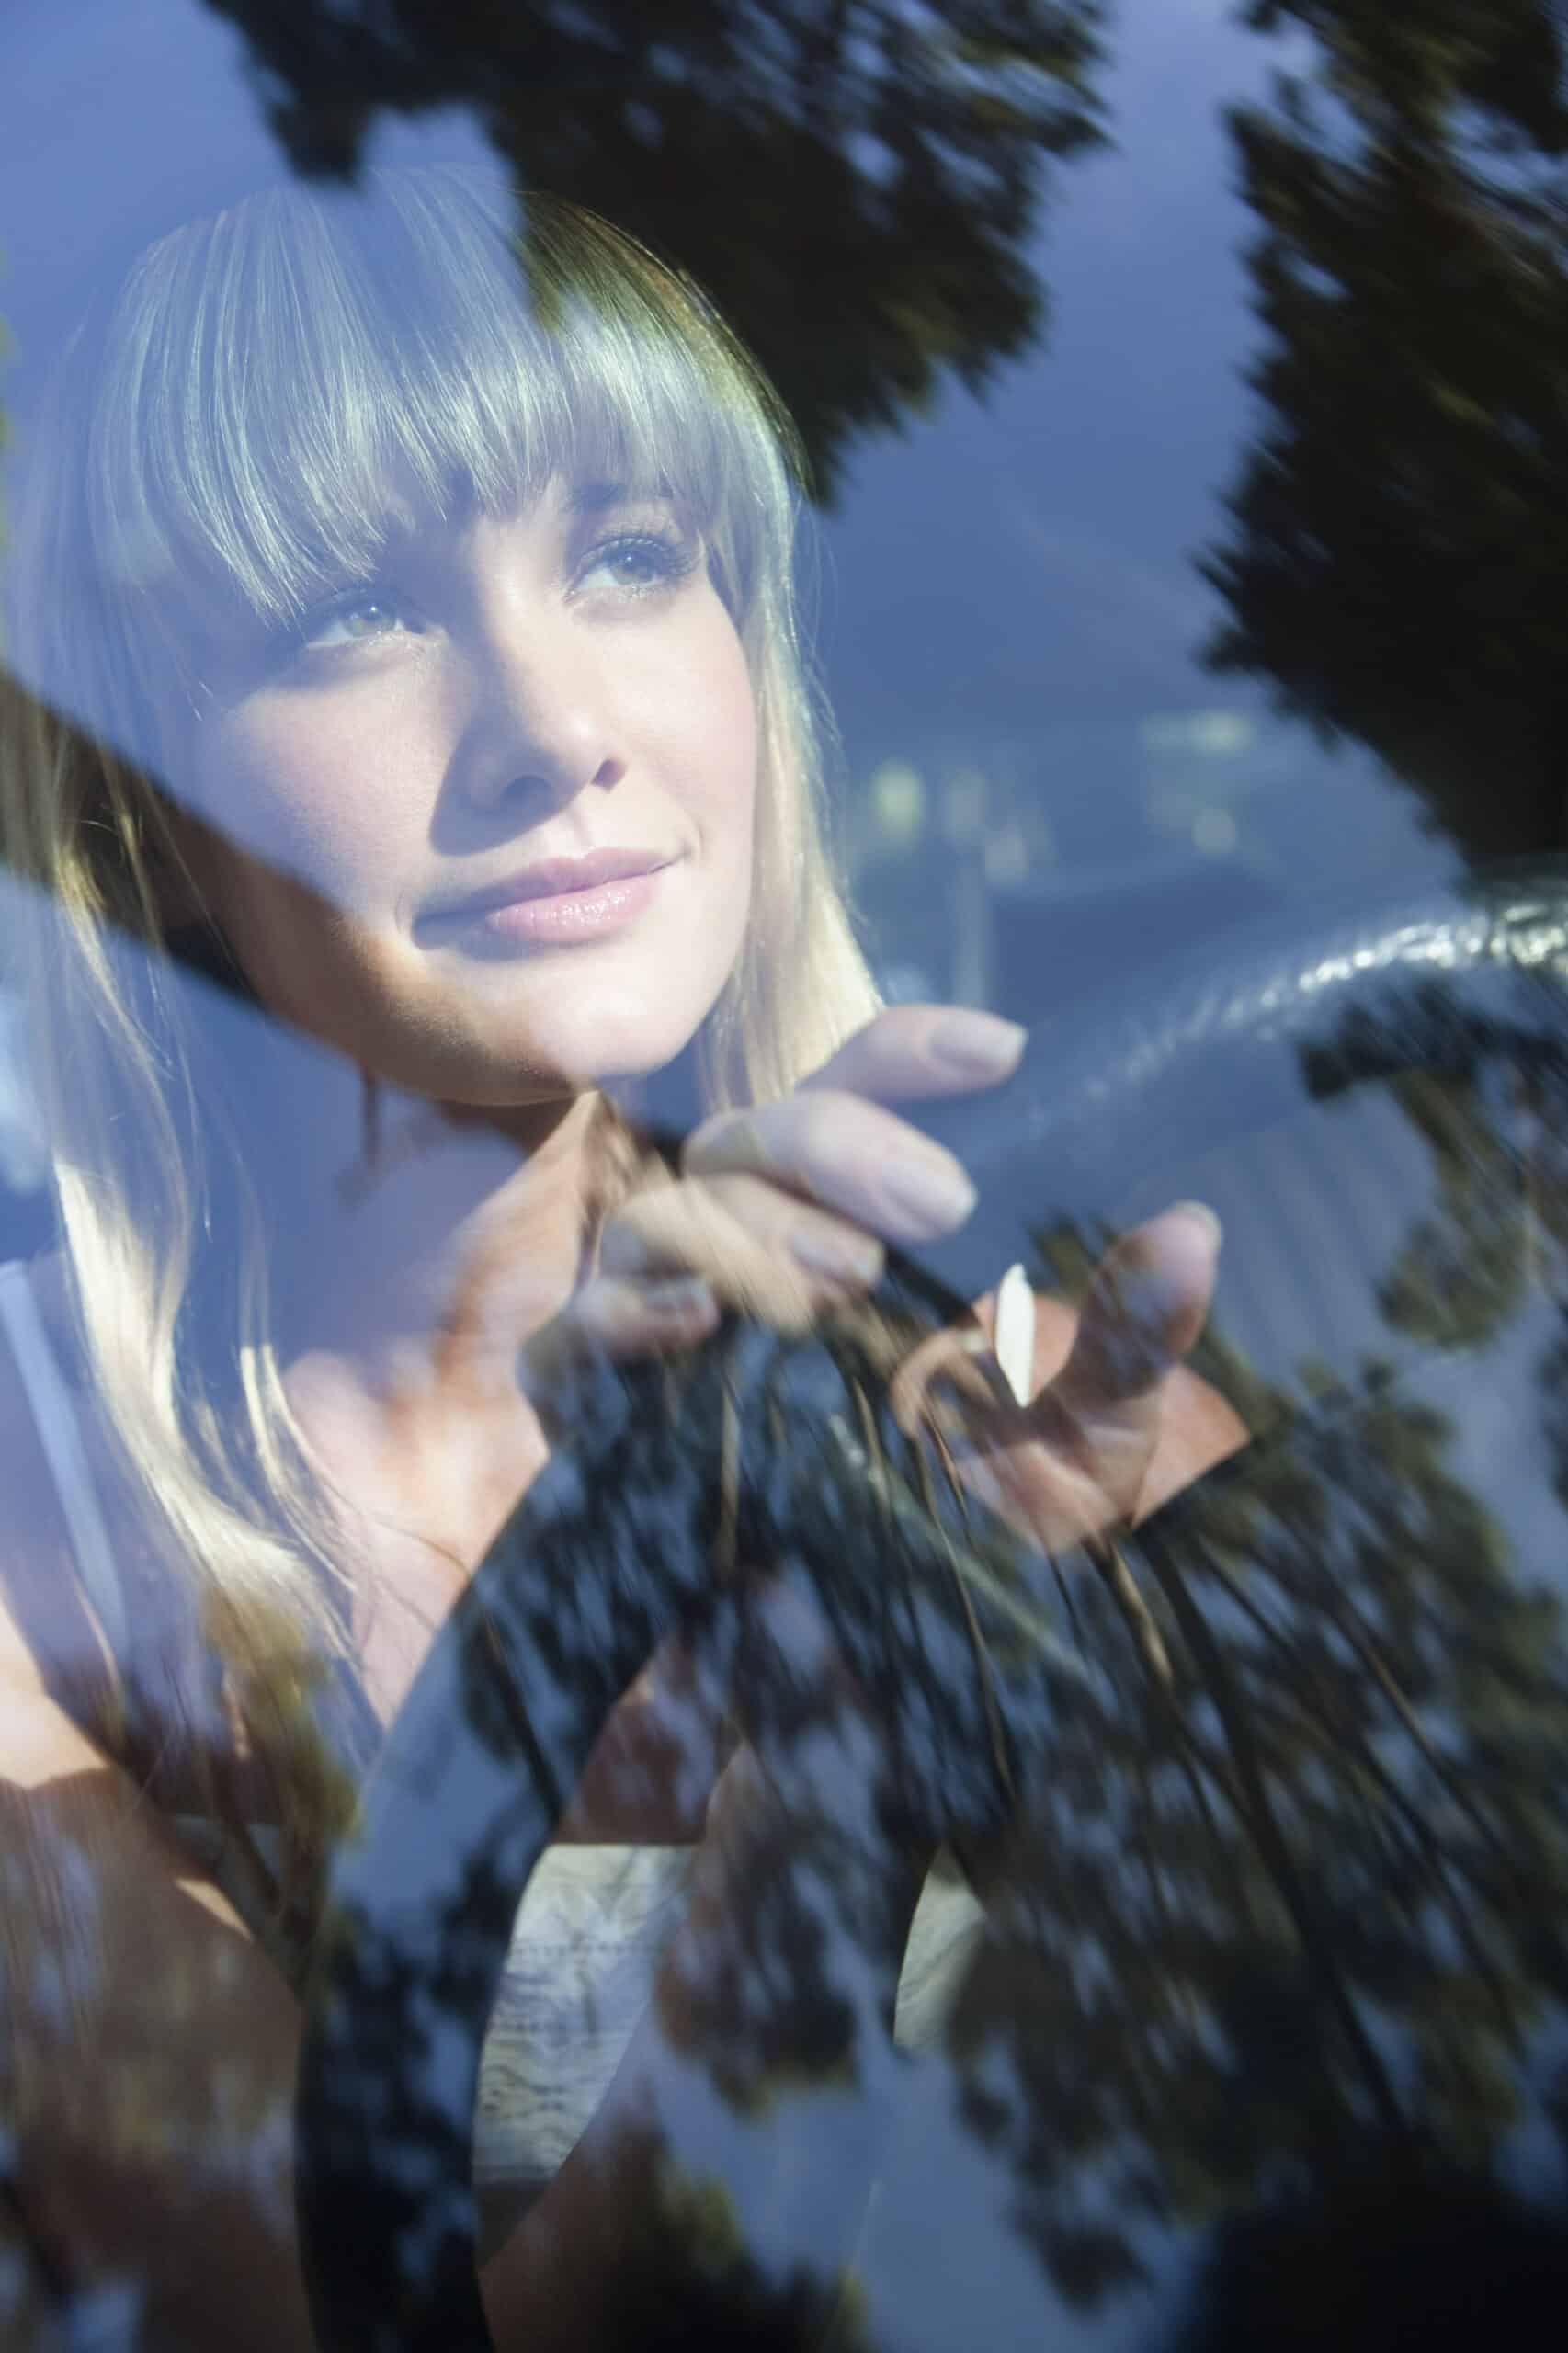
x=1266 y=1802
x=1393 y=564
x=855 y=183
x=1437 y=2260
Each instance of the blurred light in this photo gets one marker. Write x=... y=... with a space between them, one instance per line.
x=898 y=804
x=1007 y=856
x=1207 y=734
x=1222 y=734
x=23 y=1157
x=964 y=797
x=906 y=983
x=1214 y=832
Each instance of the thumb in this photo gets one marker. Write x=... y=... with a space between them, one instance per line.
x=1143 y=1312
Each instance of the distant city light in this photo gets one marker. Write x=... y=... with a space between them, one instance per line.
x=1214 y=833
x=898 y=804
x=964 y=797
x=1007 y=856
x=1207 y=734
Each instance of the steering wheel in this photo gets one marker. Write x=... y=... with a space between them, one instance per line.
x=761 y=1445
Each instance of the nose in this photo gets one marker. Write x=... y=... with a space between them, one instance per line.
x=539 y=724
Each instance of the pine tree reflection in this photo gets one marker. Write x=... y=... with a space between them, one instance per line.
x=1288 y=1919
x=1381 y=565
x=919 y=150
x=1425 y=2260
x=1268 y=1807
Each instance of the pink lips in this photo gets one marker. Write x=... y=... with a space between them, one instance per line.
x=558 y=901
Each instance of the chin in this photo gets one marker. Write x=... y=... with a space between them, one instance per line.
x=565 y=1067
x=617 y=1042
x=582 y=1030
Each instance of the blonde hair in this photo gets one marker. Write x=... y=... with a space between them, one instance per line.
x=227 y=428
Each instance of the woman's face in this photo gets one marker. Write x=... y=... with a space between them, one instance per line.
x=485 y=823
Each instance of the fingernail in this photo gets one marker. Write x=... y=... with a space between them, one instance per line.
x=1013 y=1328
x=678 y=1299
x=929 y=1197
x=1201 y=1214
x=979 y=1045
x=842 y=1258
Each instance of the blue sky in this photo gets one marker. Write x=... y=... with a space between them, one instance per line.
x=1091 y=466
x=1028 y=561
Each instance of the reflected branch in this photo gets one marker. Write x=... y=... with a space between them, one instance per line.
x=1385 y=566
x=917 y=149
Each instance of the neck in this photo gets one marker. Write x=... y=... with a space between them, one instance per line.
x=418 y=1244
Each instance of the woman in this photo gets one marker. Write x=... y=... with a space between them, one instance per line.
x=449 y=606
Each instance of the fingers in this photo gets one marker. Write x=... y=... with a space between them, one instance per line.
x=1143 y=1311
x=912 y=1051
x=1100 y=1438
x=784 y=1208
x=834 y=1142
x=763 y=1249
x=845 y=1153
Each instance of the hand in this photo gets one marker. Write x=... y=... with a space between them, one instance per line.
x=780 y=1211
x=1112 y=1421
x=783 y=1210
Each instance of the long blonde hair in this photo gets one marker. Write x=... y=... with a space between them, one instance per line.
x=226 y=428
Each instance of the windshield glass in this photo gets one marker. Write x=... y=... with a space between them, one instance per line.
x=782 y=1099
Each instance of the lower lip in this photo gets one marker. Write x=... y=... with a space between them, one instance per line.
x=564 y=918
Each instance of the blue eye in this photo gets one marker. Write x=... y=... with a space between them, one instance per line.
x=359 y=616
x=637 y=561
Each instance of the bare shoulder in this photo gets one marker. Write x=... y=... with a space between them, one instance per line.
x=151 y=2045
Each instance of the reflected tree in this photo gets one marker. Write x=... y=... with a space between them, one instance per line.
x=1289 y=1895
x=857 y=184
x=1267 y=1802
x=870 y=1704
x=1394 y=561
x=1487 y=1093
x=1440 y=2263
x=1283 y=1910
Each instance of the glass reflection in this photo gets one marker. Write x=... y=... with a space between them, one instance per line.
x=1123 y=1931
x=414 y=777
x=1379 y=565
x=1261 y=1806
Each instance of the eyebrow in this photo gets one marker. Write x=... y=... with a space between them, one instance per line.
x=593 y=497
x=404 y=532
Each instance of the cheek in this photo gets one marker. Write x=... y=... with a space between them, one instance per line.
x=315 y=804
x=726 y=754
x=284 y=868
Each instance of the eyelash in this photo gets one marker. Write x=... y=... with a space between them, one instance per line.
x=674 y=556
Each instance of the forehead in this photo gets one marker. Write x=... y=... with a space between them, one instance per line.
x=232 y=479
x=262 y=466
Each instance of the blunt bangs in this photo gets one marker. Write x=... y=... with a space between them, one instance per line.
x=286 y=383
